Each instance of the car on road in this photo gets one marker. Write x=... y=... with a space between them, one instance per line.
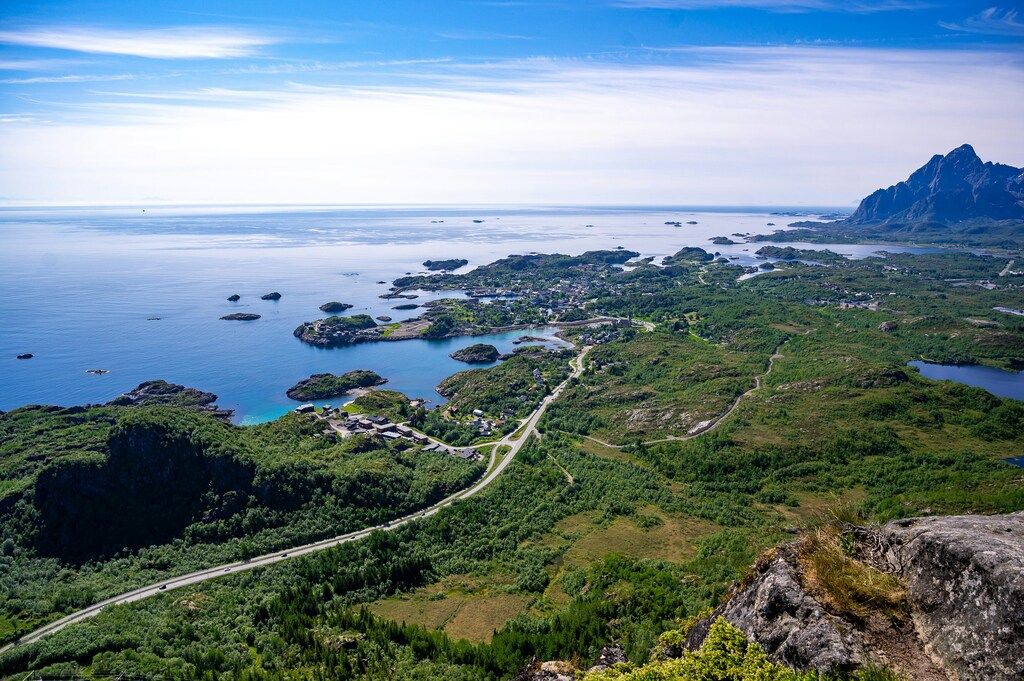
x=163 y=587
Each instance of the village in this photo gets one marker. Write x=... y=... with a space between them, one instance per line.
x=340 y=424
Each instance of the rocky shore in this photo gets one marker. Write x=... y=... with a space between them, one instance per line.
x=162 y=393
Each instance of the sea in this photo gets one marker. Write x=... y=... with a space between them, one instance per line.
x=138 y=292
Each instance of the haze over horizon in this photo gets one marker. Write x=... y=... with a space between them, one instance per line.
x=681 y=102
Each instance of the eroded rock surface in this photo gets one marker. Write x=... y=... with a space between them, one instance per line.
x=964 y=577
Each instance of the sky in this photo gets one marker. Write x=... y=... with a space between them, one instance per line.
x=645 y=102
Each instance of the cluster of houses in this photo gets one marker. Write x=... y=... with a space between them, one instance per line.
x=341 y=424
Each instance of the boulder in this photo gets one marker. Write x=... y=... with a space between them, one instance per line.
x=26 y=355
x=234 y=297
x=271 y=296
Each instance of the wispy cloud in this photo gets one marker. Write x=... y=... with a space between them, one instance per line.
x=38 y=64
x=992 y=21
x=480 y=35
x=854 y=6
x=75 y=78
x=729 y=125
x=186 y=42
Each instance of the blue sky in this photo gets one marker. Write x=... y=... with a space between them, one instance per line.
x=511 y=101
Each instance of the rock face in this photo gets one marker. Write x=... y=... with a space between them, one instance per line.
x=271 y=296
x=775 y=610
x=480 y=353
x=445 y=265
x=241 y=317
x=335 y=306
x=964 y=577
x=948 y=189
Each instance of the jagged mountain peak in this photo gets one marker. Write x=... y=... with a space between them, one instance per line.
x=948 y=188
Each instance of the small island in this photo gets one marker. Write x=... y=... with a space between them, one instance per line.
x=241 y=317
x=445 y=265
x=323 y=386
x=723 y=241
x=26 y=355
x=383 y=318
x=234 y=297
x=335 y=331
x=335 y=306
x=406 y=306
x=480 y=353
x=271 y=296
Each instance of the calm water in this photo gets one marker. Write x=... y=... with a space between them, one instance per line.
x=996 y=381
x=81 y=289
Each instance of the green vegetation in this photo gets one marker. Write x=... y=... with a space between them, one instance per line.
x=615 y=525
x=101 y=499
x=511 y=389
x=323 y=386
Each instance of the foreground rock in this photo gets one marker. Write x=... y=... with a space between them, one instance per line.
x=952 y=607
x=241 y=317
x=480 y=353
x=445 y=265
x=164 y=394
x=324 y=386
x=964 y=577
x=335 y=306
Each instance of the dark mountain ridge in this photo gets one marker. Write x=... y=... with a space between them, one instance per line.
x=948 y=189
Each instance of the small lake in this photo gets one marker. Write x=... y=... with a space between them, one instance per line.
x=996 y=381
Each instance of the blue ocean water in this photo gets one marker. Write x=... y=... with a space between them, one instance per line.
x=140 y=294
x=997 y=381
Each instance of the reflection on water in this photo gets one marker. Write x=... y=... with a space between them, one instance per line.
x=996 y=381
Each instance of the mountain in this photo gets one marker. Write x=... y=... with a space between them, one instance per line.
x=948 y=189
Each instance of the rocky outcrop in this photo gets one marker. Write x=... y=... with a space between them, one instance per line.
x=234 y=297
x=271 y=296
x=338 y=331
x=479 y=353
x=964 y=577
x=26 y=355
x=777 y=611
x=162 y=393
x=241 y=317
x=961 y=580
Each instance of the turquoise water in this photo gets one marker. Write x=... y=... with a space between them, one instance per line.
x=996 y=381
x=82 y=288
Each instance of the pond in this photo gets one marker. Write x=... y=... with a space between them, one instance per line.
x=996 y=381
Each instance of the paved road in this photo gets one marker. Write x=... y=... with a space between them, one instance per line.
x=495 y=469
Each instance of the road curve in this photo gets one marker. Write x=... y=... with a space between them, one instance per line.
x=492 y=474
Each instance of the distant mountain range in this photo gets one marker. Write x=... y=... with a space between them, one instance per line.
x=948 y=189
x=956 y=199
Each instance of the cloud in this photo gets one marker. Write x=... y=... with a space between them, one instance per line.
x=76 y=78
x=737 y=126
x=854 y=6
x=187 y=42
x=992 y=21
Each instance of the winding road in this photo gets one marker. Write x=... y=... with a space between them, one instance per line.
x=528 y=428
